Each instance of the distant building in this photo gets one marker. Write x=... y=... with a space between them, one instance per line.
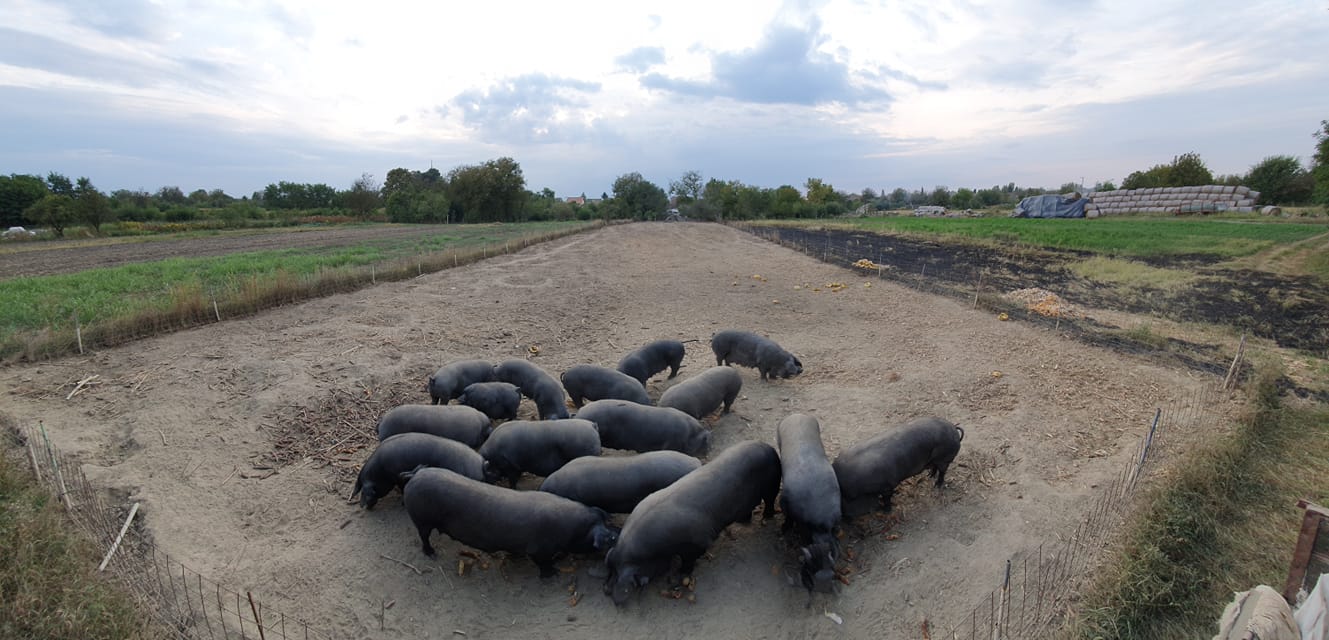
x=577 y=200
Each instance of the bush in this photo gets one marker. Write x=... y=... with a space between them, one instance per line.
x=179 y=213
x=1280 y=180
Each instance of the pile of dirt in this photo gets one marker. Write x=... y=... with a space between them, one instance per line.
x=1044 y=303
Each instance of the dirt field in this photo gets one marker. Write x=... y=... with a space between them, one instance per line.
x=46 y=258
x=179 y=422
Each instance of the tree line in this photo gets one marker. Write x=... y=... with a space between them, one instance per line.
x=495 y=191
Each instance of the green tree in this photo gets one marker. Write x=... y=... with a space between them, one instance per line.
x=963 y=198
x=1154 y=177
x=787 y=202
x=1280 y=180
x=1320 y=168
x=171 y=195
x=132 y=205
x=1105 y=186
x=688 y=187
x=54 y=211
x=1188 y=170
x=752 y=202
x=90 y=206
x=638 y=198
x=494 y=191
x=941 y=197
x=990 y=197
x=899 y=198
x=295 y=195
x=363 y=196
x=819 y=192
x=59 y=184
x=17 y=193
x=719 y=200
x=218 y=198
x=416 y=196
x=1185 y=170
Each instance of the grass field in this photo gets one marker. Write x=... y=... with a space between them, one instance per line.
x=48 y=586
x=1225 y=521
x=37 y=314
x=1125 y=236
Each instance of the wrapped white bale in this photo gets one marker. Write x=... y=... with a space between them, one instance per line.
x=1241 y=191
x=1245 y=202
x=1310 y=615
x=1254 y=195
x=1245 y=209
x=1259 y=613
x=1091 y=213
x=1229 y=190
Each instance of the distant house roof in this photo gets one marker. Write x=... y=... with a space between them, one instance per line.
x=577 y=200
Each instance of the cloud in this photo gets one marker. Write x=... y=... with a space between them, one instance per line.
x=784 y=68
x=532 y=108
x=32 y=51
x=135 y=19
x=109 y=67
x=895 y=74
x=640 y=59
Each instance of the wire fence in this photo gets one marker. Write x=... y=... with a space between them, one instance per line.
x=1036 y=587
x=182 y=601
x=190 y=307
x=1034 y=592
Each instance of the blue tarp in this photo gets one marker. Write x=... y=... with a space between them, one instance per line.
x=1050 y=206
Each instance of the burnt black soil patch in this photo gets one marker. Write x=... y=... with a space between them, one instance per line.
x=1286 y=309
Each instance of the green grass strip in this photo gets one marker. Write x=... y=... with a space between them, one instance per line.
x=1125 y=236
x=48 y=584
x=128 y=301
x=1226 y=521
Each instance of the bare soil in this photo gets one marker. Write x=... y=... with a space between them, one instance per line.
x=1286 y=309
x=184 y=423
x=70 y=256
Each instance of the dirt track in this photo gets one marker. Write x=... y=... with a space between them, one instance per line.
x=1046 y=421
x=46 y=258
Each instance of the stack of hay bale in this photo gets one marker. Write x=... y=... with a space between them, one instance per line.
x=1175 y=200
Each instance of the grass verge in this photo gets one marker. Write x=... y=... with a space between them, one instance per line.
x=115 y=305
x=1115 y=271
x=1225 y=521
x=48 y=587
x=1125 y=236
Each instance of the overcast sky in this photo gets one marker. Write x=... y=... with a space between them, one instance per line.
x=241 y=93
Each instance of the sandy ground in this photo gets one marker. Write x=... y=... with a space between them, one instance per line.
x=175 y=417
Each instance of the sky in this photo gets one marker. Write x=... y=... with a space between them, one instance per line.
x=237 y=94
